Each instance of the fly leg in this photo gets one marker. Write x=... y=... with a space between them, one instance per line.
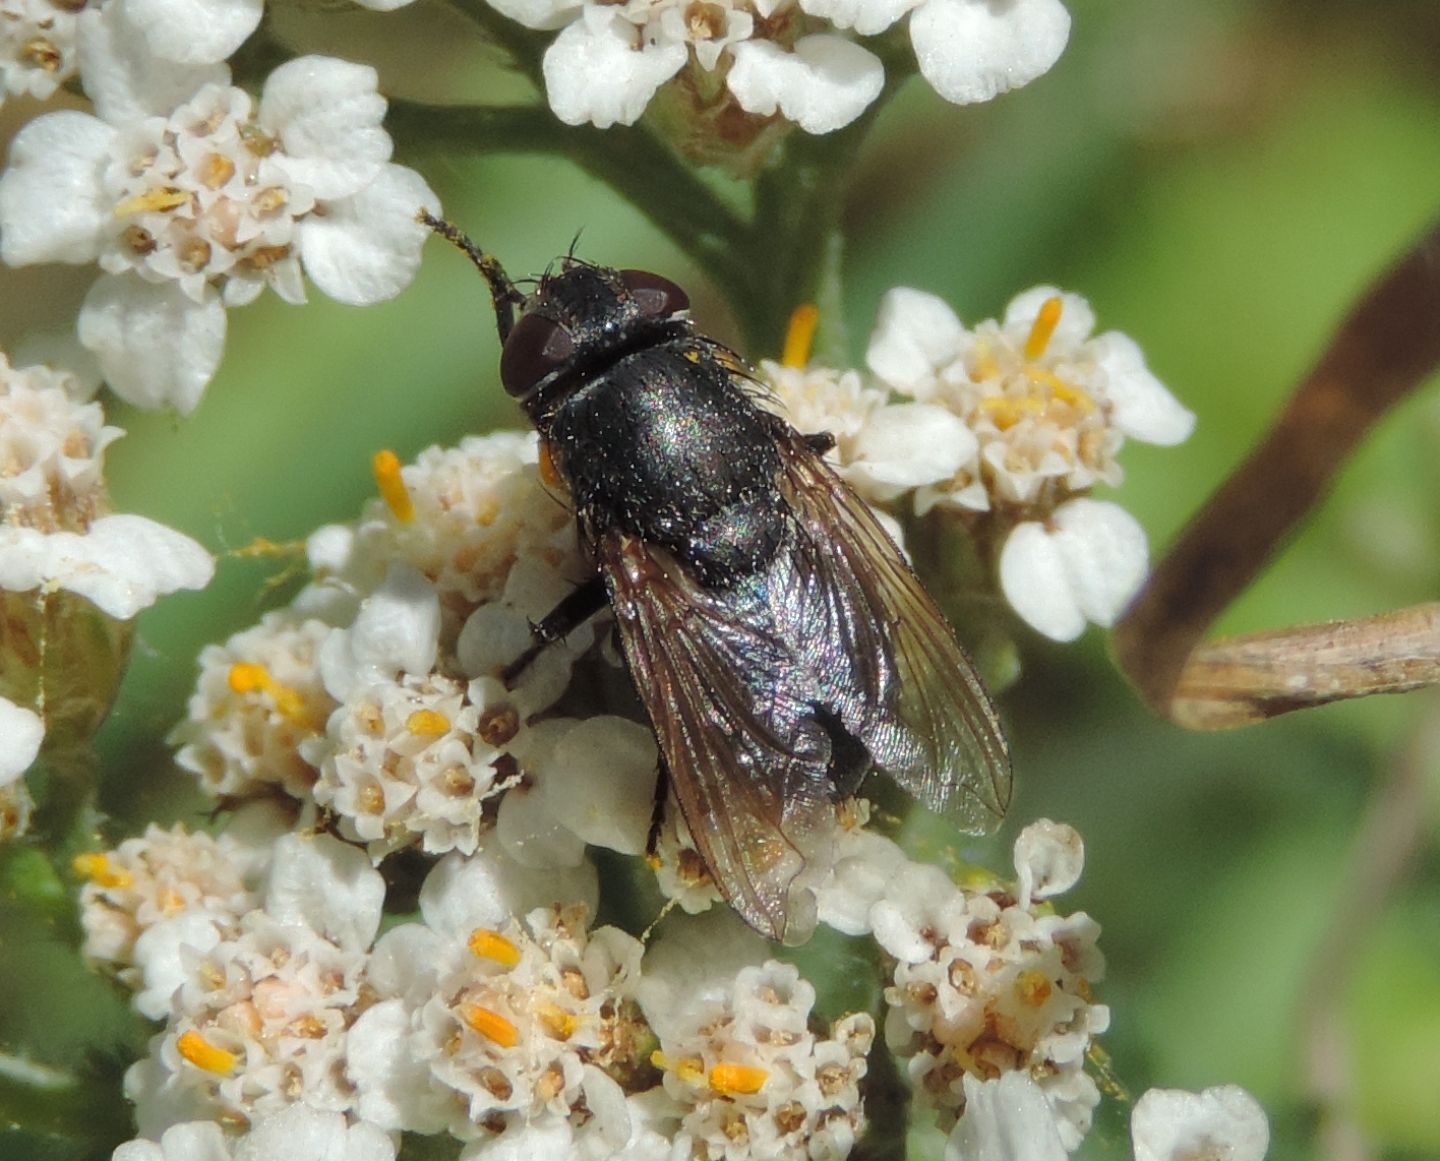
x=657 y=814
x=577 y=607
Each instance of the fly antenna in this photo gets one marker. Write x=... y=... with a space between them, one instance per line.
x=502 y=291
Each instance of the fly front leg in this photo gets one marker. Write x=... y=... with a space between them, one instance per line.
x=577 y=607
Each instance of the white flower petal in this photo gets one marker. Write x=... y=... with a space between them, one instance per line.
x=393 y=1089
x=824 y=84
x=1006 y=1119
x=1087 y=568
x=52 y=206
x=396 y=631
x=157 y=347
x=599 y=781
x=300 y=1133
x=189 y=1141
x=865 y=862
x=916 y=333
x=195 y=32
x=1173 y=1125
x=21 y=732
x=124 y=77
x=538 y=14
x=366 y=248
x=1077 y=318
x=594 y=72
x=490 y=888
x=327 y=114
x=534 y=837
x=163 y=966
x=867 y=17
x=972 y=50
x=1142 y=406
x=908 y=445
x=549 y=1140
x=1049 y=857
x=121 y=563
x=327 y=885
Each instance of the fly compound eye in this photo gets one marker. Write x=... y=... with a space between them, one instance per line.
x=536 y=347
x=654 y=295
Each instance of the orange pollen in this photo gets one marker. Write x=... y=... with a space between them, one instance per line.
x=425 y=723
x=800 y=335
x=251 y=677
x=549 y=473
x=690 y=1069
x=97 y=867
x=1033 y=987
x=204 y=1055
x=1043 y=327
x=386 y=466
x=487 y=944
x=491 y=1025
x=742 y=1079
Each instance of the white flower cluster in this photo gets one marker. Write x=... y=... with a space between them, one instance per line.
x=497 y=1018
x=37 y=46
x=58 y=536
x=376 y=696
x=797 y=59
x=992 y=981
x=1006 y=426
x=193 y=198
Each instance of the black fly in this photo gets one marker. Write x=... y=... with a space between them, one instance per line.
x=778 y=640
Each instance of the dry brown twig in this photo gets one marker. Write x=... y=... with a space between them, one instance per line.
x=1384 y=350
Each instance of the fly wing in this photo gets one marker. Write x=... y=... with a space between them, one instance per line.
x=918 y=702
x=745 y=758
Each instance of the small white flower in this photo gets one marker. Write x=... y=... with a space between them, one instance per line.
x=1174 y=1125
x=258 y=698
x=1006 y=1119
x=418 y=759
x=260 y=1017
x=1049 y=857
x=122 y=564
x=489 y=1031
x=822 y=84
x=1082 y=565
x=1047 y=407
x=55 y=530
x=297 y=1132
x=21 y=732
x=984 y=986
x=159 y=876
x=37 y=47
x=192 y=199
x=751 y=1080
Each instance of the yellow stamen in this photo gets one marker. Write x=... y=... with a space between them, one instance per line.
x=425 y=723
x=690 y=1069
x=202 y=1054
x=487 y=944
x=800 y=335
x=386 y=466
x=165 y=198
x=1043 y=327
x=1033 y=987
x=1008 y=410
x=491 y=1025
x=1061 y=390
x=97 y=867
x=560 y=1022
x=737 y=1078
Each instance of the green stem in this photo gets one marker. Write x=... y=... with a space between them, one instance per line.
x=628 y=159
x=886 y=1107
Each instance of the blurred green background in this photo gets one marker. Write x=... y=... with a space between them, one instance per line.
x=1220 y=180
